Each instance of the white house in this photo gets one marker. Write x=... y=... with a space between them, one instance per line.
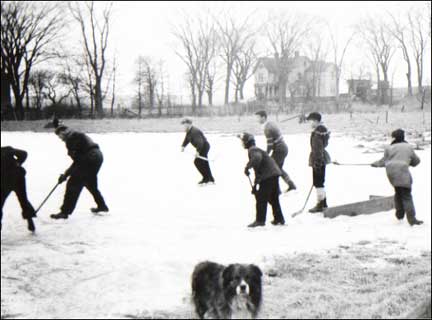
x=306 y=78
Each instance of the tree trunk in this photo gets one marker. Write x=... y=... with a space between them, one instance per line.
x=242 y=90
x=227 y=83
x=98 y=98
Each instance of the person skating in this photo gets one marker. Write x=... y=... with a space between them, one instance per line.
x=398 y=157
x=266 y=187
x=196 y=137
x=276 y=146
x=13 y=179
x=319 y=159
x=87 y=161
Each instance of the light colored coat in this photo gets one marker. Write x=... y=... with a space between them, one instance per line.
x=397 y=159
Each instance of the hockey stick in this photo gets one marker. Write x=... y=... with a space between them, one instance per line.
x=201 y=157
x=295 y=214
x=47 y=197
x=291 y=118
x=350 y=164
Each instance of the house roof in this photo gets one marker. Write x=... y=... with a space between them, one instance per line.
x=319 y=65
x=269 y=64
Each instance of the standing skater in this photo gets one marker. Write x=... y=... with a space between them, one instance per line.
x=13 y=179
x=318 y=159
x=266 y=188
x=397 y=159
x=276 y=146
x=87 y=160
x=199 y=141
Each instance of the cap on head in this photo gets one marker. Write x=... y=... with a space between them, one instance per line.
x=247 y=139
x=186 y=121
x=314 y=116
x=261 y=113
x=398 y=135
x=60 y=129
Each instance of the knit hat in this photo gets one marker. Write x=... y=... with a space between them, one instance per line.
x=247 y=139
x=261 y=113
x=60 y=128
x=186 y=120
x=398 y=135
x=314 y=116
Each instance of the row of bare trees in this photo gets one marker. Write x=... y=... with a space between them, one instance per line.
x=31 y=36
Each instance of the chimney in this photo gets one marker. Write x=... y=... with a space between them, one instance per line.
x=296 y=54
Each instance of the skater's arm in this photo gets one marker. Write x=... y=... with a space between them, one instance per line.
x=381 y=163
x=186 y=141
x=255 y=159
x=415 y=160
x=19 y=155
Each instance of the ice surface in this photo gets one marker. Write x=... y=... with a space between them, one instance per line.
x=161 y=223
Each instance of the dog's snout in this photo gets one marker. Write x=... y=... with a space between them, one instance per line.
x=243 y=288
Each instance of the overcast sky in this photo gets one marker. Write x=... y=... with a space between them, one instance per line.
x=144 y=28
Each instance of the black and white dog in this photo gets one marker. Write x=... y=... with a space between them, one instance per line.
x=233 y=292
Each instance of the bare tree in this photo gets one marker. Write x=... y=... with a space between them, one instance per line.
x=418 y=41
x=317 y=52
x=147 y=78
x=95 y=33
x=37 y=82
x=375 y=34
x=286 y=34
x=113 y=92
x=244 y=67
x=27 y=32
x=399 y=30
x=211 y=81
x=198 y=48
x=56 y=91
x=339 y=53
x=160 y=89
x=234 y=35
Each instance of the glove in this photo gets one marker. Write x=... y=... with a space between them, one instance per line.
x=374 y=165
x=246 y=172
x=62 y=178
x=254 y=189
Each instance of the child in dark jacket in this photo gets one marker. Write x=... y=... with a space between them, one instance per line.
x=398 y=157
x=266 y=187
x=319 y=159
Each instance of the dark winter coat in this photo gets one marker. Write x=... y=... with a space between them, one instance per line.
x=397 y=159
x=196 y=138
x=264 y=166
x=80 y=147
x=273 y=136
x=11 y=159
x=319 y=139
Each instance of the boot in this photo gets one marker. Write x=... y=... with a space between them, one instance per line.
x=416 y=223
x=99 y=209
x=256 y=224
x=275 y=223
x=318 y=208
x=60 y=215
x=291 y=186
x=325 y=206
x=202 y=182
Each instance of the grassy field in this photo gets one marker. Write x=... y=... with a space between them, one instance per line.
x=365 y=281
x=373 y=123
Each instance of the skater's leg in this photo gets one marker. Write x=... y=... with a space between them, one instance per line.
x=5 y=191
x=400 y=212
x=409 y=208
x=74 y=187
x=274 y=202
x=279 y=154
x=28 y=211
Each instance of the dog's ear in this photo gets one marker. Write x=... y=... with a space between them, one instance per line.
x=227 y=273
x=256 y=270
